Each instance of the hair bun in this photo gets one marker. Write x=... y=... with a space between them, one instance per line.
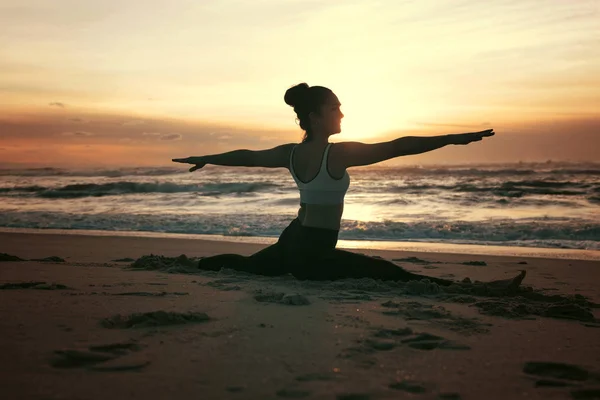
x=296 y=94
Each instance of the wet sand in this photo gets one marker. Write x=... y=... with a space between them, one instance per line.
x=98 y=317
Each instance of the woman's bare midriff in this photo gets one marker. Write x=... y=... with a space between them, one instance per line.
x=307 y=163
x=326 y=216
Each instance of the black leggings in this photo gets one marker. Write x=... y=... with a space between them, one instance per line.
x=310 y=254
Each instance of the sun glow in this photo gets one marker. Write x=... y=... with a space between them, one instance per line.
x=399 y=68
x=368 y=116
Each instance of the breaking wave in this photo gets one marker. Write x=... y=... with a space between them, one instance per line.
x=124 y=188
x=553 y=233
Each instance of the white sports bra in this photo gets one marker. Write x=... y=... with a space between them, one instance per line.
x=322 y=189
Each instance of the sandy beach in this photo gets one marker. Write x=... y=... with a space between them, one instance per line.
x=103 y=319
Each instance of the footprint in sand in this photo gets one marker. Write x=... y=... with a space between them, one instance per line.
x=73 y=358
x=381 y=345
x=120 y=348
x=153 y=319
x=387 y=340
x=34 y=285
x=556 y=370
x=268 y=297
x=280 y=298
x=427 y=341
x=544 y=306
x=104 y=357
x=414 y=310
x=390 y=333
x=150 y=294
x=556 y=374
x=475 y=263
x=295 y=300
x=293 y=393
x=126 y=363
x=408 y=386
x=50 y=259
x=420 y=388
x=218 y=284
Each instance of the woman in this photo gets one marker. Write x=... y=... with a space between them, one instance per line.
x=306 y=248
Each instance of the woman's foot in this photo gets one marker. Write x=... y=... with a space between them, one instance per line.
x=499 y=287
x=509 y=284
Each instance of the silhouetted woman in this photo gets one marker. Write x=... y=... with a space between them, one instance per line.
x=306 y=248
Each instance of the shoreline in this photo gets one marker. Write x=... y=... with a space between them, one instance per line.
x=379 y=245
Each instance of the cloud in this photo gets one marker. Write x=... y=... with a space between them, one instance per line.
x=134 y=122
x=78 y=134
x=268 y=138
x=57 y=104
x=163 y=136
x=171 y=136
x=77 y=120
x=222 y=135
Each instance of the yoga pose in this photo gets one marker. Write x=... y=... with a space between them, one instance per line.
x=306 y=248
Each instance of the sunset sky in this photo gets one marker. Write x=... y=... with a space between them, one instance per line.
x=138 y=82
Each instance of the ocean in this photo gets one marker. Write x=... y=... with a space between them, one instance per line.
x=515 y=206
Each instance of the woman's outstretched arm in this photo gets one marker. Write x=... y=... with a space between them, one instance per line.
x=271 y=158
x=356 y=154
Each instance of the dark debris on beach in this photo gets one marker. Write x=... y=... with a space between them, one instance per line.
x=176 y=265
x=153 y=319
x=34 y=285
x=9 y=257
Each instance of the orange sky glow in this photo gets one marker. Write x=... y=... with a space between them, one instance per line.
x=85 y=83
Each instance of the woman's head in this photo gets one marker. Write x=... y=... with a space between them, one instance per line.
x=317 y=108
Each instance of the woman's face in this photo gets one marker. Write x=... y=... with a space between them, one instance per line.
x=331 y=116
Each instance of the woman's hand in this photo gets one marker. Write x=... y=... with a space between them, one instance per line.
x=191 y=160
x=466 y=138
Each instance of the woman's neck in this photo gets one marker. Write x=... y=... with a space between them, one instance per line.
x=318 y=141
